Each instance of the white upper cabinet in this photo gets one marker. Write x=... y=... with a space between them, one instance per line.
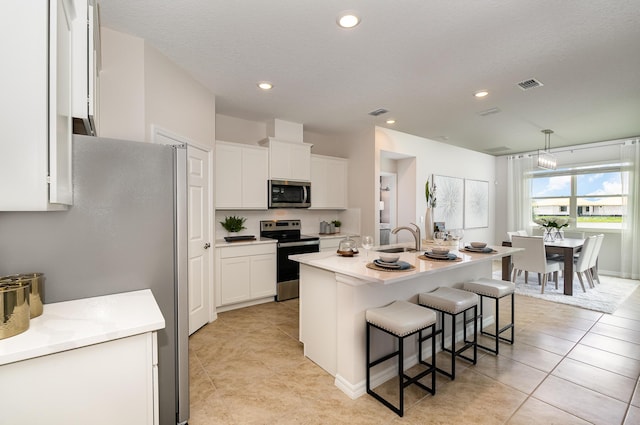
x=241 y=176
x=86 y=30
x=328 y=182
x=289 y=160
x=35 y=110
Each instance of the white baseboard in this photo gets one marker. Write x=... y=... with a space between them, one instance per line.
x=236 y=306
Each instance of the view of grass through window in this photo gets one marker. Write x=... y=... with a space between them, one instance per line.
x=588 y=198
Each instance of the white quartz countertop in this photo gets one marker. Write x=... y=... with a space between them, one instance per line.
x=356 y=266
x=340 y=235
x=221 y=243
x=78 y=323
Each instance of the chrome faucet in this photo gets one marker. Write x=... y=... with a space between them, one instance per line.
x=415 y=233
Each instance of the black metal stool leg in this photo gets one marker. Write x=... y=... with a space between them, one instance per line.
x=403 y=379
x=497 y=330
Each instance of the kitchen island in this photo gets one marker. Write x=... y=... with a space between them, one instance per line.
x=336 y=291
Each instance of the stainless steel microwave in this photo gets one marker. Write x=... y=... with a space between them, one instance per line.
x=289 y=194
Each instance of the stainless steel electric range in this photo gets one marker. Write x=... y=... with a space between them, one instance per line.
x=290 y=242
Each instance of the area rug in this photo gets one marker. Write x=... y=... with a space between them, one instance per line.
x=605 y=297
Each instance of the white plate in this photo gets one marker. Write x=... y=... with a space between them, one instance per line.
x=381 y=263
x=472 y=249
x=450 y=256
x=436 y=255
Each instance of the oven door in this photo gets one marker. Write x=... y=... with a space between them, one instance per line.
x=288 y=271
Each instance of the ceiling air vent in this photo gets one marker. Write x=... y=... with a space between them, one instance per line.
x=377 y=112
x=489 y=112
x=531 y=83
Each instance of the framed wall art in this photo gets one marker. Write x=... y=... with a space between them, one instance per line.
x=476 y=204
x=449 y=201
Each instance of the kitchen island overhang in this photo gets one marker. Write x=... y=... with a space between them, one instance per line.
x=336 y=291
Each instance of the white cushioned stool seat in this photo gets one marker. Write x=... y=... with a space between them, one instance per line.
x=490 y=287
x=450 y=300
x=495 y=289
x=401 y=317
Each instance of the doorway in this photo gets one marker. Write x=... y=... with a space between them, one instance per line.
x=199 y=228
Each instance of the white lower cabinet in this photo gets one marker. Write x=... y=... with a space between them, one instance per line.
x=101 y=384
x=330 y=244
x=245 y=273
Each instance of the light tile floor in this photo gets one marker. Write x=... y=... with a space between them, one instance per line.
x=567 y=366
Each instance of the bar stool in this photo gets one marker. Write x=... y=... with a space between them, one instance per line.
x=402 y=319
x=452 y=302
x=494 y=289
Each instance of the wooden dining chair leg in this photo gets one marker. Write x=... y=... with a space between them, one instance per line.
x=544 y=283
x=581 y=281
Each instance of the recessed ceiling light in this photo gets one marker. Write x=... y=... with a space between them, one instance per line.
x=392 y=121
x=265 y=85
x=348 y=20
x=481 y=93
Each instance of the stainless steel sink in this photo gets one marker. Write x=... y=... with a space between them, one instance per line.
x=396 y=249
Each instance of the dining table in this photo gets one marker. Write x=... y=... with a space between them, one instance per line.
x=566 y=247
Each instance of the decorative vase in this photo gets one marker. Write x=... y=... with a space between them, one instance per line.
x=428 y=223
x=231 y=234
x=551 y=234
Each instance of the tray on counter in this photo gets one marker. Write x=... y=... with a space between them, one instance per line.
x=240 y=238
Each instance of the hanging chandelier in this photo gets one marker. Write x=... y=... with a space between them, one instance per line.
x=545 y=158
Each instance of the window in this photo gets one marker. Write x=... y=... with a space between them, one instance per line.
x=591 y=197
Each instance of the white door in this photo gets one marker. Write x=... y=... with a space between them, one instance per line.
x=199 y=249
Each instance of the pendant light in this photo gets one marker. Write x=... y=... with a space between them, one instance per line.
x=545 y=158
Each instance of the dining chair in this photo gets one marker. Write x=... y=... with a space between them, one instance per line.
x=516 y=233
x=533 y=259
x=511 y=234
x=593 y=263
x=583 y=262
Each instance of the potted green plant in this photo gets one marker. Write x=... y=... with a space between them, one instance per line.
x=233 y=224
x=336 y=225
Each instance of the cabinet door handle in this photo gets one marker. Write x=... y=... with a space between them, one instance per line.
x=207 y=245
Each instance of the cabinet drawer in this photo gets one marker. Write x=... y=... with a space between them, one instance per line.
x=330 y=243
x=247 y=250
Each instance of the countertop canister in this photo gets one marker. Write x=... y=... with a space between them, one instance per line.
x=14 y=307
x=36 y=293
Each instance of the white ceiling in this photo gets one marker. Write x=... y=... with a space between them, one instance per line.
x=420 y=59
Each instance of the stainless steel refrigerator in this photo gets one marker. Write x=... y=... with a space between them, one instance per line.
x=125 y=231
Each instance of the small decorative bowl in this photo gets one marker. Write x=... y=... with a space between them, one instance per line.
x=478 y=244
x=388 y=257
x=440 y=251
